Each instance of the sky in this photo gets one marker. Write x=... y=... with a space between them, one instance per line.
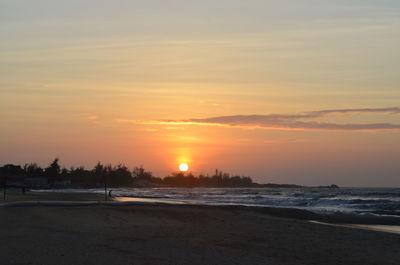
x=290 y=91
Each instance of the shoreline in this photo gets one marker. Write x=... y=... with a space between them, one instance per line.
x=377 y=202
x=82 y=198
x=393 y=229
x=361 y=221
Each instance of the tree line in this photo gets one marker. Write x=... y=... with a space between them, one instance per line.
x=120 y=176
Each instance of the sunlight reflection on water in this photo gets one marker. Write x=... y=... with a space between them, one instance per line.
x=133 y=199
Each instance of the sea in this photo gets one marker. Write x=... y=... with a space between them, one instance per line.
x=378 y=201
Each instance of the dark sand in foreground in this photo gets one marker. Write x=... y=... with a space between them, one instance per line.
x=178 y=234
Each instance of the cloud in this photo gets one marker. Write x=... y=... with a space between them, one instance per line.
x=353 y=111
x=302 y=121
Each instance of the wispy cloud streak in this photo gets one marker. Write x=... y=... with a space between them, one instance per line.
x=303 y=121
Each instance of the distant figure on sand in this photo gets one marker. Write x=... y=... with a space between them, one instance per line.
x=109 y=194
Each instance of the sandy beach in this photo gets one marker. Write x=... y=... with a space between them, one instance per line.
x=176 y=234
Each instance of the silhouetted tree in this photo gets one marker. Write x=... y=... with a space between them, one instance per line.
x=12 y=170
x=121 y=176
x=53 y=170
x=33 y=170
x=140 y=173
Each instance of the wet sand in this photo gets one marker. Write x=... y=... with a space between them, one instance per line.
x=178 y=234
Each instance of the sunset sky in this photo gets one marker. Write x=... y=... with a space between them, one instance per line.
x=290 y=91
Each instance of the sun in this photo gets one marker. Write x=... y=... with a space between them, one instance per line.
x=183 y=167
